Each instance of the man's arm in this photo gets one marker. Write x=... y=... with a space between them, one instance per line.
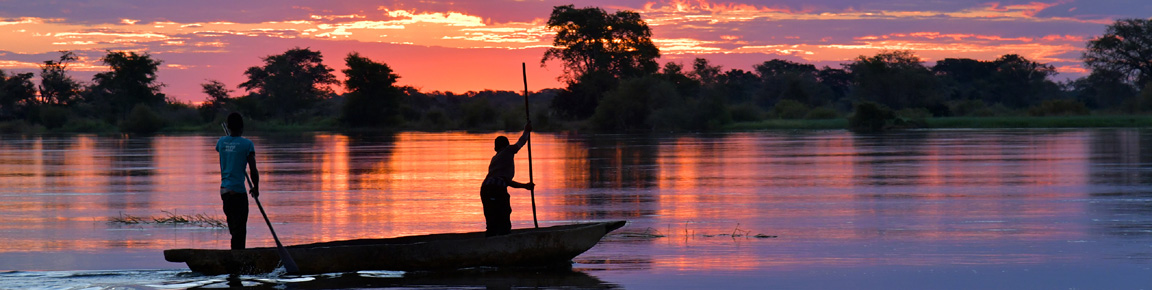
x=255 y=174
x=523 y=137
x=528 y=186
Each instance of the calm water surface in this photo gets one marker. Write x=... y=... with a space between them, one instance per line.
x=952 y=209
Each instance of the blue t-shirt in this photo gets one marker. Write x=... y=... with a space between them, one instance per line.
x=234 y=153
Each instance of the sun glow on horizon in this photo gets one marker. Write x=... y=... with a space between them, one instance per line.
x=681 y=28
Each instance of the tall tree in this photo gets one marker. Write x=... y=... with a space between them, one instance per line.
x=16 y=93
x=56 y=86
x=894 y=78
x=217 y=94
x=291 y=82
x=1011 y=80
x=589 y=39
x=1020 y=82
x=707 y=74
x=598 y=49
x=1126 y=48
x=786 y=80
x=965 y=78
x=372 y=99
x=131 y=81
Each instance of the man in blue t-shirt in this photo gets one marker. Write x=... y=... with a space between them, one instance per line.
x=235 y=153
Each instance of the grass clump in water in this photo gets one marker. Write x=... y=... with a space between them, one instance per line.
x=648 y=233
x=171 y=218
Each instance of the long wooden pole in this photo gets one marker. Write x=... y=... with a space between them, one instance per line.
x=528 y=116
x=289 y=263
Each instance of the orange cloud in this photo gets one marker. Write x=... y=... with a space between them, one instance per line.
x=938 y=35
x=696 y=6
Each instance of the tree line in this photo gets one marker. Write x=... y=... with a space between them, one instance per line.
x=613 y=83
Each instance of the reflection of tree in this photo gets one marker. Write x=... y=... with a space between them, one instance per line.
x=130 y=172
x=1117 y=164
x=616 y=162
x=369 y=155
x=610 y=179
x=874 y=154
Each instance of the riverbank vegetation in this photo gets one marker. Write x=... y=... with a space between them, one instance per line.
x=614 y=83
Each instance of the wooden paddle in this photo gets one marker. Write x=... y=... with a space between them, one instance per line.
x=289 y=264
x=528 y=117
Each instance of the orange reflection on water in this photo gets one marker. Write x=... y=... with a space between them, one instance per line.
x=922 y=188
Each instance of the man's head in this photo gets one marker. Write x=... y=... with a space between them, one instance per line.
x=235 y=124
x=501 y=143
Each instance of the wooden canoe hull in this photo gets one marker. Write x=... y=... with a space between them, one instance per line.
x=523 y=247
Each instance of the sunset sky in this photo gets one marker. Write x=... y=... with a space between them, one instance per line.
x=464 y=46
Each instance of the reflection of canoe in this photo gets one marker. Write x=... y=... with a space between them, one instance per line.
x=523 y=247
x=475 y=278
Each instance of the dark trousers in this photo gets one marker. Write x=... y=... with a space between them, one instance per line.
x=497 y=209
x=236 y=211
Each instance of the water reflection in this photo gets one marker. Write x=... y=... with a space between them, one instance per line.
x=1122 y=203
x=940 y=197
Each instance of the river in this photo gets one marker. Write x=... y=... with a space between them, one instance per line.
x=940 y=209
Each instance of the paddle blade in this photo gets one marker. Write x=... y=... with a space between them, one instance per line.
x=289 y=264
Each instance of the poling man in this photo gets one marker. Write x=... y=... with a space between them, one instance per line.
x=494 y=191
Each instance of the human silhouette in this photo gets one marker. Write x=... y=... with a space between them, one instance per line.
x=494 y=191
x=236 y=153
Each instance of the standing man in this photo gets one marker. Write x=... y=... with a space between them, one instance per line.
x=235 y=153
x=494 y=191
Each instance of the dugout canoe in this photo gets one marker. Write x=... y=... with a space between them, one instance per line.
x=531 y=247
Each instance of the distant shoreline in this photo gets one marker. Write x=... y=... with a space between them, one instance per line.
x=1010 y=122
x=1002 y=122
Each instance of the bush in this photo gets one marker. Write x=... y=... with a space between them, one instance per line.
x=912 y=118
x=822 y=113
x=1059 y=108
x=87 y=125
x=142 y=120
x=997 y=110
x=746 y=113
x=181 y=114
x=870 y=117
x=512 y=120
x=632 y=106
x=435 y=120
x=966 y=107
x=479 y=114
x=789 y=109
x=53 y=117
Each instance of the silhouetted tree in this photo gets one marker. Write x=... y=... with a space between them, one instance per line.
x=685 y=83
x=131 y=81
x=217 y=102
x=1019 y=82
x=589 y=39
x=740 y=86
x=56 y=87
x=964 y=78
x=894 y=78
x=16 y=93
x=598 y=49
x=1125 y=48
x=839 y=81
x=289 y=83
x=705 y=73
x=630 y=107
x=786 y=80
x=372 y=99
x=217 y=94
x=1107 y=89
x=1011 y=80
